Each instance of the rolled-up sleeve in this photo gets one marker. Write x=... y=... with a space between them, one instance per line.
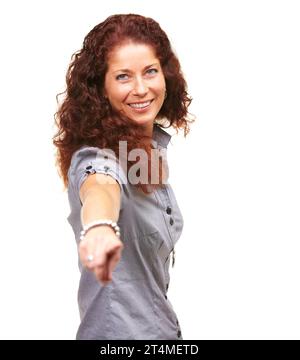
x=90 y=160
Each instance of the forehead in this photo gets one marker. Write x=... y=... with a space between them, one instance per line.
x=130 y=55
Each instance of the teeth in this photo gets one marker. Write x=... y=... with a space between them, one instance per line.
x=142 y=105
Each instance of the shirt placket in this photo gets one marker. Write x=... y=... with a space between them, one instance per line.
x=169 y=220
x=163 y=192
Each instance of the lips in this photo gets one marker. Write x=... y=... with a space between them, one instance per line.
x=140 y=105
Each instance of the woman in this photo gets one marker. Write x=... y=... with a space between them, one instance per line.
x=123 y=87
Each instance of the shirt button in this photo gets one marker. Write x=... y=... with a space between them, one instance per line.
x=169 y=210
x=171 y=221
x=166 y=297
x=167 y=286
x=179 y=333
x=89 y=167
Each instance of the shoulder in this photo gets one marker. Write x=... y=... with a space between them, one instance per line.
x=90 y=160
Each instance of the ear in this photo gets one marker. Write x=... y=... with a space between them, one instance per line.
x=103 y=90
x=104 y=94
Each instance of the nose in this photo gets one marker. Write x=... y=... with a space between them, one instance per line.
x=140 y=87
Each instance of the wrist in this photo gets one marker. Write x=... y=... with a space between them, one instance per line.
x=100 y=223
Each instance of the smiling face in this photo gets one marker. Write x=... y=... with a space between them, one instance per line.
x=135 y=84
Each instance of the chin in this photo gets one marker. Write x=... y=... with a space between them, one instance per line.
x=142 y=121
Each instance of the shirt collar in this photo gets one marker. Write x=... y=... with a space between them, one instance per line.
x=160 y=136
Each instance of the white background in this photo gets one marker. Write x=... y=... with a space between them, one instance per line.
x=236 y=176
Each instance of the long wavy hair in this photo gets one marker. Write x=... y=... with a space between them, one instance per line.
x=85 y=117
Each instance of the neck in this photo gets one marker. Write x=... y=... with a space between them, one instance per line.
x=148 y=130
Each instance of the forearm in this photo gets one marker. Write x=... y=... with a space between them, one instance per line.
x=101 y=248
x=100 y=204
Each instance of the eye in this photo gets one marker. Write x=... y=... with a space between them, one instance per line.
x=150 y=71
x=121 y=77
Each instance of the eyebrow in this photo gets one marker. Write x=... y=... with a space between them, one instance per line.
x=127 y=70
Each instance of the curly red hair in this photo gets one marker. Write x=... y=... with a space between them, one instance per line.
x=86 y=118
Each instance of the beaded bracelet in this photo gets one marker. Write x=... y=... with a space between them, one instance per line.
x=95 y=223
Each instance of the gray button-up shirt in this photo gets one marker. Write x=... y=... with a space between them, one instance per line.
x=134 y=305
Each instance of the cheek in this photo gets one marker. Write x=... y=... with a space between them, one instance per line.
x=160 y=87
x=118 y=96
x=160 y=90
